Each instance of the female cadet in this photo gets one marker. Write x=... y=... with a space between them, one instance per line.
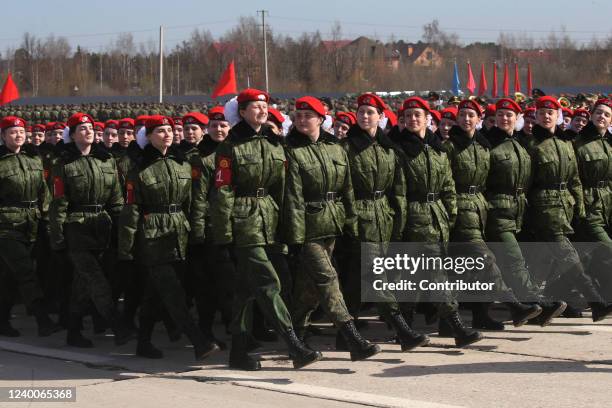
x=594 y=153
x=318 y=204
x=468 y=152
x=507 y=186
x=555 y=198
x=24 y=200
x=249 y=181
x=153 y=231
x=380 y=207
x=86 y=202
x=431 y=204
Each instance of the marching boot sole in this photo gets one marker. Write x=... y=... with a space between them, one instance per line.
x=466 y=341
x=316 y=356
x=212 y=350
x=492 y=326
x=560 y=310
x=369 y=352
x=251 y=365
x=596 y=317
x=411 y=346
x=518 y=323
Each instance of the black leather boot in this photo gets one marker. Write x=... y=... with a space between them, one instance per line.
x=239 y=358
x=482 y=320
x=144 y=347
x=463 y=336
x=299 y=352
x=202 y=346
x=550 y=310
x=46 y=326
x=522 y=312
x=599 y=310
x=74 y=337
x=359 y=347
x=408 y=338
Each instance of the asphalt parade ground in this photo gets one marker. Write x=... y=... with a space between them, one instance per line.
x=567 y=364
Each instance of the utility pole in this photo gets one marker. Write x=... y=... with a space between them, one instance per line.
x=265 y=44
x=161 y=64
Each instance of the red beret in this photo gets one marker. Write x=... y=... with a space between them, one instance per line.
x=178 y=121
x=436 y=115
x=371 y=100
x=400 y=111
x=470 y=104
x=310 y=103
x=98 y=126
x=140 y=120
x=391 y=117
x=79 y=118
x=507 y=103
x=415 y=102
x=12 y=121
x=490 y=111
x=567 y=112
x=127 y=123
x=530 y=112
x=111 y=124
x=547 y=102
x=253 y=95
x=154 y=121
x=195 y=118
x=346 y=118
x=275 y=116
x=449 y=113
x=38 y=127
x=582 y=113
x=55 y=126
x=603 y=101
x=218 y=113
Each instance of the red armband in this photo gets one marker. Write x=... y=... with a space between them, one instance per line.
x=223 y=173
x=129 y=192
x=58 y=187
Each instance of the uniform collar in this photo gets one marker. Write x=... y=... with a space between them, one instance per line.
x=242 y=132
x=461 y=139
x=69 y=152
x=298 y=139
x=361 y=139
x=496 y=136
x=27 y=149
x=207 y=146
x=541 y=134
x=413 y=145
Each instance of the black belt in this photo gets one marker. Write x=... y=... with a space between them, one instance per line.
x=328 y=196
x=374 y=195
x=555 y=186
x=162 y=208
x=596 y=184
x=424 y=197
x=471 y=190
x=88 y=208
x=30 y=205
x=507 y=191
x=258 y=193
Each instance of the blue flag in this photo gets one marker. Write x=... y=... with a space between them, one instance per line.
x=456 y=83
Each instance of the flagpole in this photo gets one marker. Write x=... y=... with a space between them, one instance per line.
x=161 y=64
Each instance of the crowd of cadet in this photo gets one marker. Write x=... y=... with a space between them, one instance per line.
x=260 y=217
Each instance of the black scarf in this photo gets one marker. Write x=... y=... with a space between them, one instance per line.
x=361 y=140
x=69 y=152
x=147 y=156
x=541 y=134
x=462 y=140
x=413 y=145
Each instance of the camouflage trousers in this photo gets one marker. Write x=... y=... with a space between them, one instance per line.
x=257 y=280
x=17 y=271
x=90 y=284
x=316 y=283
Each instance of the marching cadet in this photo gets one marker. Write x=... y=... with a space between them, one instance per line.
x=24 y=200
x=555 y=198
x=593 y=149
x=109 y=138
x=38 y=134
x=580 y=118
x=194 y=127
x=488 y=120
x=507 y=186
x=86 y=202
x=318 y=207
x=434 y=124
x=54 y=132
x=525 y=135
x=342 y=123
x=448 y=119
x=154 y=230
x=249 y=182
x=211 y=264
x=275 y=121
x=469 y=151
x=380 y=209
x=98 y=132
x=177 y=130
x=431 y=204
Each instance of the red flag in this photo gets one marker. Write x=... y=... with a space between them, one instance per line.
x=9 y=91
x=471 y=84
x=506 y=84
x=517 y=80
x=529 y=83
x=227 y=83
x=482 y=82
x=494 y=90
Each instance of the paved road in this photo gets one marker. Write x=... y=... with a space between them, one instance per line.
x=564 y=365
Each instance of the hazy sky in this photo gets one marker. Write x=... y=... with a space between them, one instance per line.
x=95 y=24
